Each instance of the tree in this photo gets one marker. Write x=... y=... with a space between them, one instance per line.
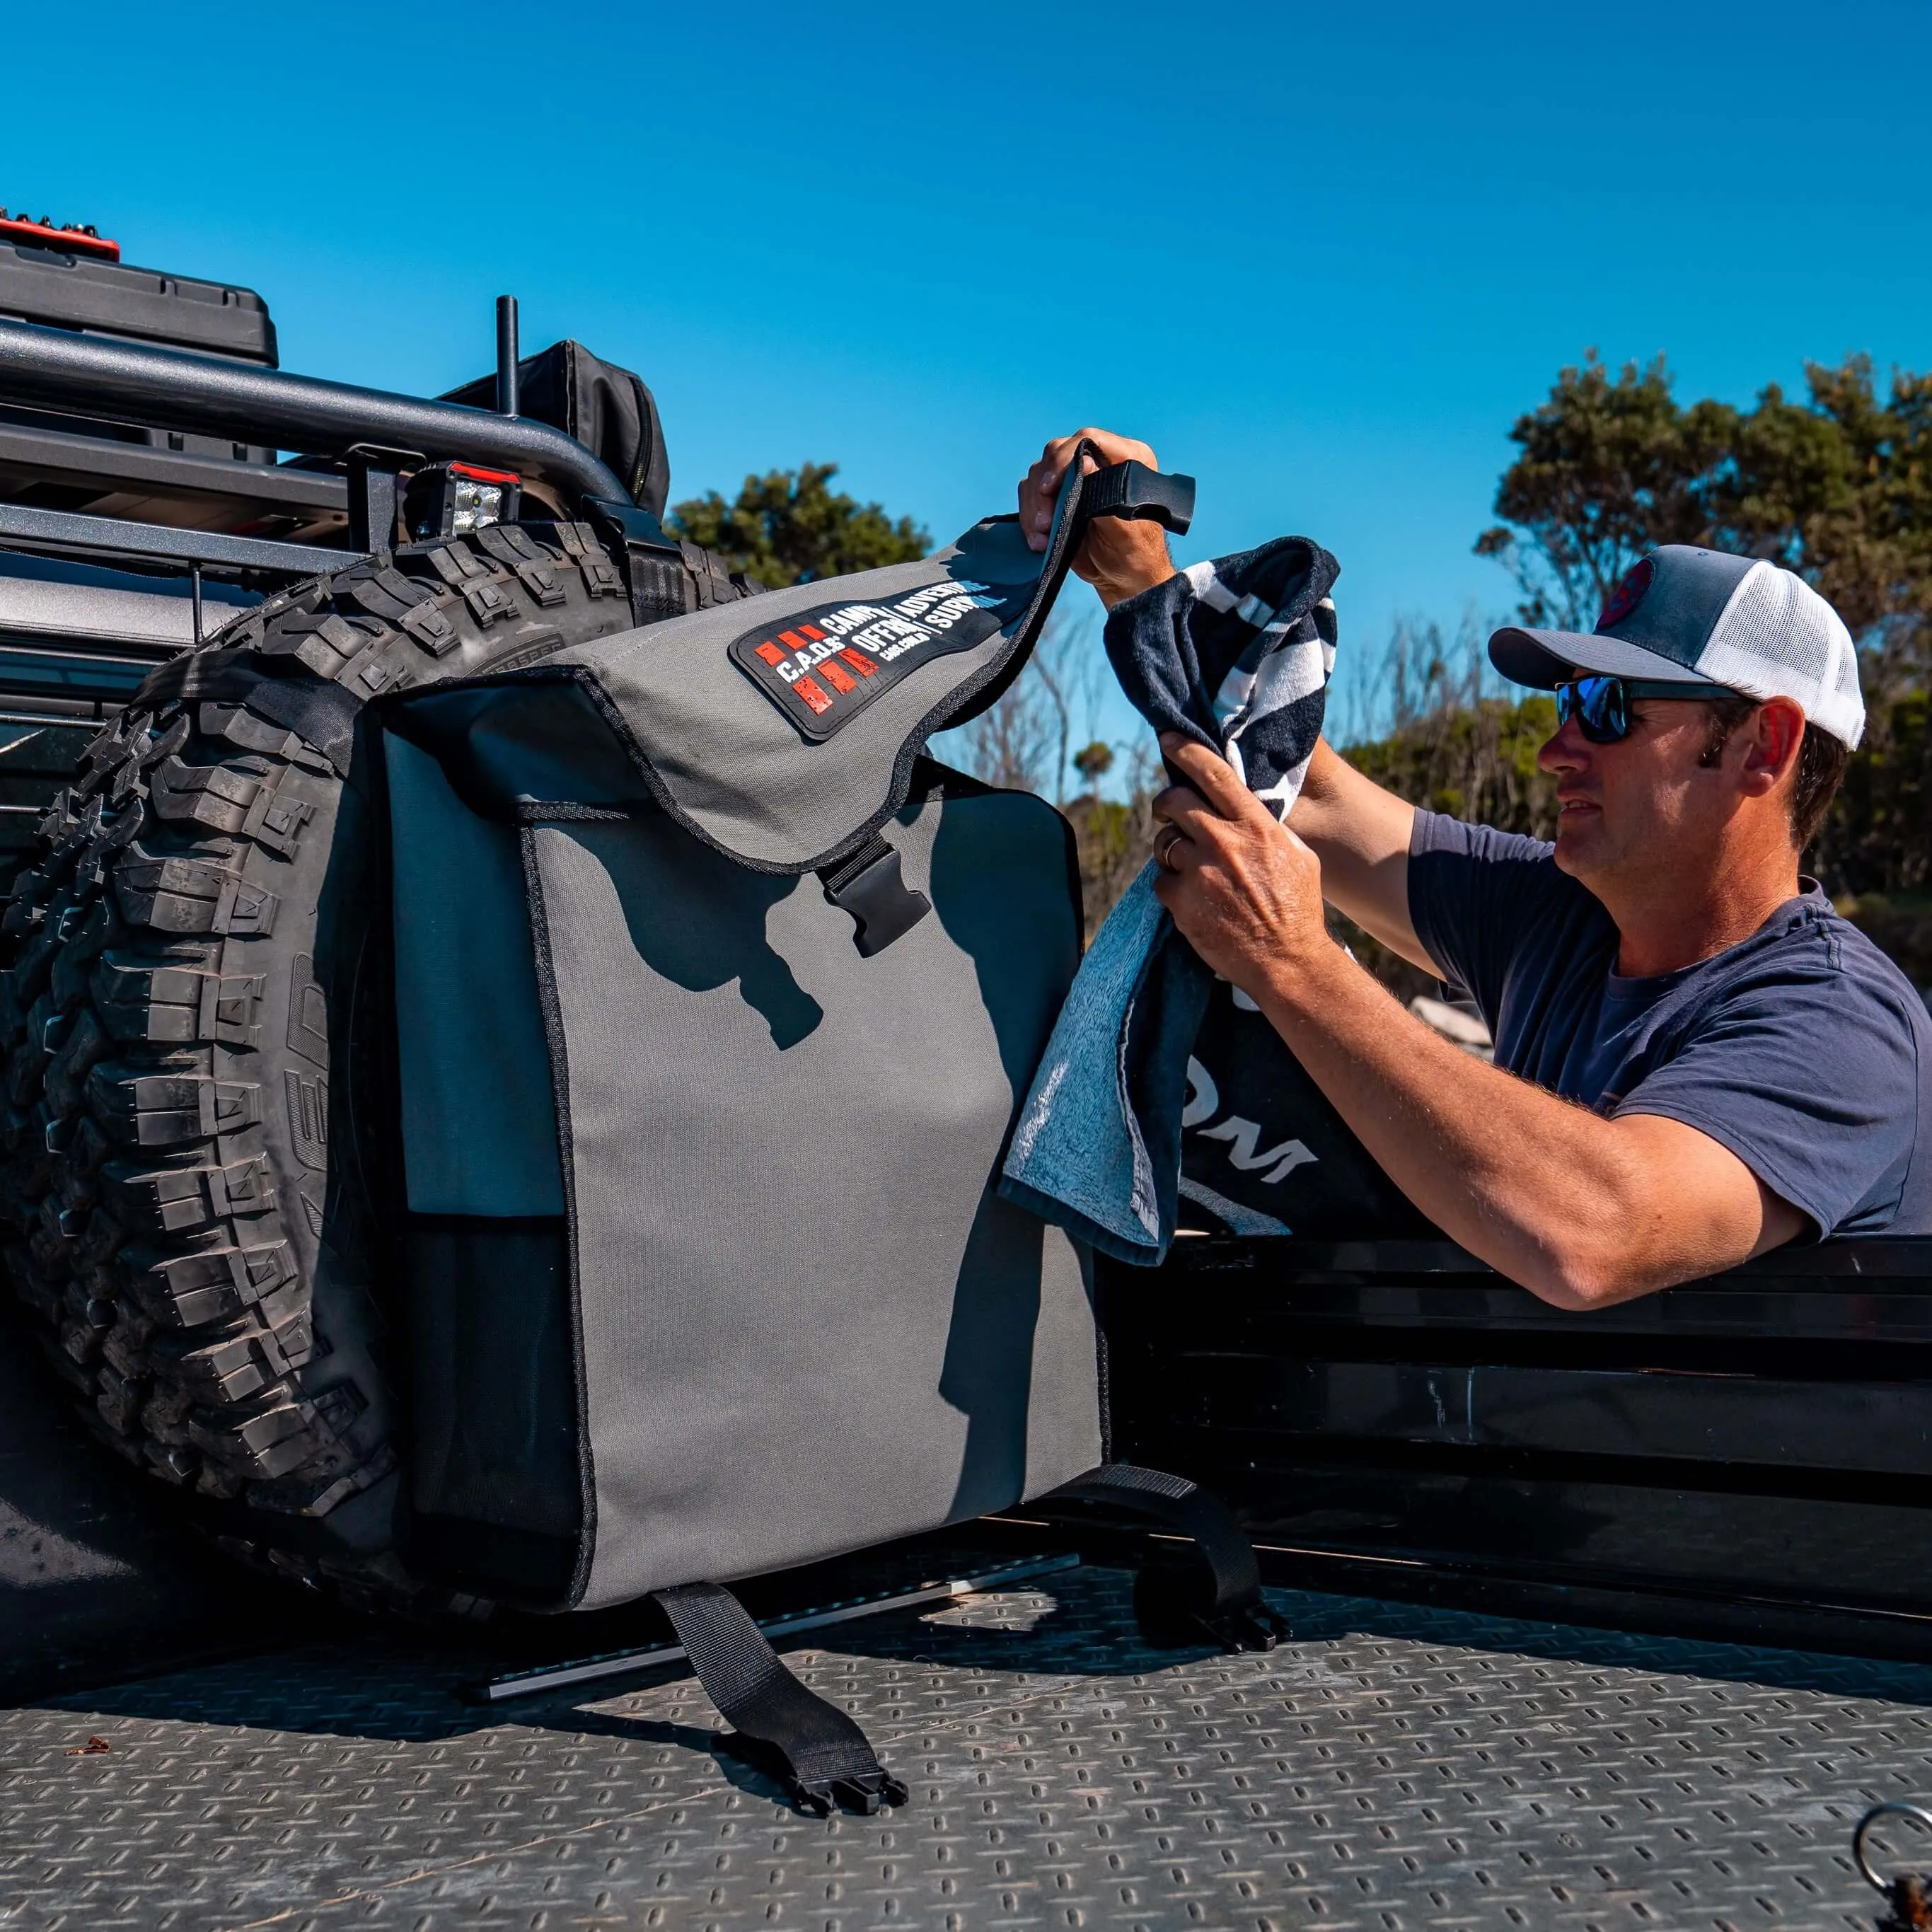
x=1838 y=488
x=1093 y=762
x=1025 y=740
x=1013 y=742
x=1841 y=490
x=1610 y=468
x=789 y=526
x=1459 y=745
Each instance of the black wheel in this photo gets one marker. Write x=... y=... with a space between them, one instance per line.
x=179 y=1119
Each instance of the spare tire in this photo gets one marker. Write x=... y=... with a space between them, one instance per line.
x=180 y=1114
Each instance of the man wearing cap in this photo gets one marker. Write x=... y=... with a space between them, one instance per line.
x=1697 y=1059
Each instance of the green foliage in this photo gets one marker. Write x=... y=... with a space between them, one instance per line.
x=1093 y=762
x=1113 y=839
x=1839 y=488
x=1878 y=836
x=1611 y=466
x=789 y=526
x=1473 y=760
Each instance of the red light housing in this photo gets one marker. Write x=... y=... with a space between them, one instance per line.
x=477 y=475
x=450 y=499
x=74 y=237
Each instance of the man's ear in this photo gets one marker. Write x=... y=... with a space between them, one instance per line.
x=1771 y=740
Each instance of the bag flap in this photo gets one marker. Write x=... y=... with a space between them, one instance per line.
x=782 y=730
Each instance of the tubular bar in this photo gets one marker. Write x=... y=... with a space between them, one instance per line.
x=622 y=1663
x=506 y=355
x=85 y=375
x=75 y=532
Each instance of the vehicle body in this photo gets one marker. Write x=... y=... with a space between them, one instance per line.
x=1412 y=1440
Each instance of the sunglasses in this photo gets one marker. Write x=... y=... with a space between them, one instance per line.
x=1601 y=705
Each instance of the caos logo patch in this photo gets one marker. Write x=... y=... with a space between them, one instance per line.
x=1628 y=594
x=825 y=664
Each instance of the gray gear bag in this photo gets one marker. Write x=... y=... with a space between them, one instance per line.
x=707 y=1276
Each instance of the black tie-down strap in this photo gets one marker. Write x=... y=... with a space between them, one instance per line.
x=813 y=1747
x=668 y=577
x=1177 y=1601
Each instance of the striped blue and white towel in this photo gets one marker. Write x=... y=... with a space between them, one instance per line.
x=1235 y=654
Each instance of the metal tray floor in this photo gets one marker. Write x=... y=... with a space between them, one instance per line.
x=1390 y=1768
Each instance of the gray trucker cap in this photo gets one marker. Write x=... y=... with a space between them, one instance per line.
x=1683 y=615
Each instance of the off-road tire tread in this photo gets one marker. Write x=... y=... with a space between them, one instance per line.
x=164 y=1160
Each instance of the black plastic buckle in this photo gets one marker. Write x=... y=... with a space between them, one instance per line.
x=626 y=525
x=1133 y=492
x=869 y=886
x=867 y=1793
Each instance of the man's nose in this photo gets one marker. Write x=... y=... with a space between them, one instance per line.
x=1567 y=750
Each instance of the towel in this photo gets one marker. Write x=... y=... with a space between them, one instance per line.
x=1235 y=654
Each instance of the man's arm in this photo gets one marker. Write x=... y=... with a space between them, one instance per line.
x=1359 y=832
x=1582 y=1211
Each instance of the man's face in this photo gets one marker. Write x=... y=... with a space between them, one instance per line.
x=1645 y=805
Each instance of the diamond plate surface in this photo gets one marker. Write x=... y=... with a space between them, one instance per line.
x=1389 y=1768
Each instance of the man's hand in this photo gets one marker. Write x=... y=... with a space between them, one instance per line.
x=1119 y=559
x=1244 y=892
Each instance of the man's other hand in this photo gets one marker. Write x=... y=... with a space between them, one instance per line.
x=1244 y=892
x=1118 y=558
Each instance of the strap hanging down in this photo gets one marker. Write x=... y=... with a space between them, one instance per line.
x=1218 y=1595
x=818 y=1753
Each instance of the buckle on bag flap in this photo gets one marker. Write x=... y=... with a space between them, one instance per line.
x=868 y=885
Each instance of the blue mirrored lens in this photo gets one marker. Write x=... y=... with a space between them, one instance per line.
x=1597 y=703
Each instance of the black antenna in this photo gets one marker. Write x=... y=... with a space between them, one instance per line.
x=506 y=355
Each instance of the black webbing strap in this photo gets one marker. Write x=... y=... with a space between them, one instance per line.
x=868 y=884
x=1219 y=1595
x=659 y=586
x=657 y=569
x=319 y=713
x=820 y=1755
x=710 y=576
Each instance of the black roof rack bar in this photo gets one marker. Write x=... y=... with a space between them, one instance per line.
x=85 y=375
x=69 y=531
x=79 y=714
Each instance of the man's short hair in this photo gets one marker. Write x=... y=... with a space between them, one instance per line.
x=1821 y=759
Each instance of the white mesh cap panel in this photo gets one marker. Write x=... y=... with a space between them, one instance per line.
x=1776 y=638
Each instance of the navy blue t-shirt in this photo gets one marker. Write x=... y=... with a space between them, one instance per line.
x=1803 y=1049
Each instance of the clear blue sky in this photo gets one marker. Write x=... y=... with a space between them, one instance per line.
x=1320 y=256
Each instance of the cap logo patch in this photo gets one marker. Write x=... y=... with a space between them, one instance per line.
x=1628 y=594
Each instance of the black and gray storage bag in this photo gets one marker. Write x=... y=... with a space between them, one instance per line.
x=708 y=1274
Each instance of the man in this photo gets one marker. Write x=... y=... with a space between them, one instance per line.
x=1697 y=1059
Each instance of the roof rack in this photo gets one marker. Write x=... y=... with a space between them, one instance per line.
x=83 y=619
x=56 y=369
